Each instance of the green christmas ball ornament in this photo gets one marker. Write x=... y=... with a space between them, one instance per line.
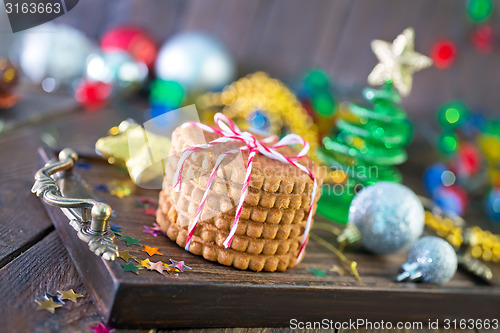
x=448 y=143
x=492 y=127
x=479 y=10
x=453 y=115
x=166 y=93
x=317 y=79
x=324 y=103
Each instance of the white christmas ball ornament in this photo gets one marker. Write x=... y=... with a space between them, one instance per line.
x=196 y=61
x=53 y=51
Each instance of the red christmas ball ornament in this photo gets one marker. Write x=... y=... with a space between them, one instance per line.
x=443 y=53
x=92 y=94
x=483 y=37
x=468 y=162
x=452 y=199
x=132 y=40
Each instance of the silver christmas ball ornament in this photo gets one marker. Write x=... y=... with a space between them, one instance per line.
x=53 y=52
x=195 y=60
x=430 y=260
x=388 y=217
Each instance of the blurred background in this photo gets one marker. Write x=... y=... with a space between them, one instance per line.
x=142 y=59
x=288 y=37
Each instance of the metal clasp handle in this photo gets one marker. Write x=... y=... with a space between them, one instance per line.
x=92 y=223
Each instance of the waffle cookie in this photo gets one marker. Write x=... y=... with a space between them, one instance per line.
x=250 y=237
x=216 y=204
x=229 y=257
x=270 y=230
x=255 y=197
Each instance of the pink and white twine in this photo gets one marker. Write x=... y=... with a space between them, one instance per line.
x=229 y=132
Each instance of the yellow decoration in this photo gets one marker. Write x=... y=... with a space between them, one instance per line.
x=256 y=92
x=141 y=152
x=125 y=255
x=119 y=189
x=397 y=62
x=481 y=244
x=69 y=294
x=490 y=146
x=47 y=304
x=143 y=263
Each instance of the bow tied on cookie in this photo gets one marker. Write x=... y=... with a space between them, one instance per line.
x=230 y=132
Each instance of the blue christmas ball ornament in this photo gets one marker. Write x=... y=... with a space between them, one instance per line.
x=197 y=61
x=493 y=205
x=433 y=177
x=388 y=216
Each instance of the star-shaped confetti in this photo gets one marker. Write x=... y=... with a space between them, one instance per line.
x=101 y=187
x=180 y=265
x=170 y=270
x=151 y=250
x=114 y=226
x=145 y=203
x=143 y=263
x=130 y=267
x=337 y=269
x=131 y=241
x=155 y=230
x=116 y=229
x=156 y=266
x=120 y=189
x=117 y=233
x=83 y=165
x=125 y=255
x=397 y=62
x=317 y=272
x=47 y=304
x=69 y=294
x=100 y=328
x=149 y=211
x=55 y=298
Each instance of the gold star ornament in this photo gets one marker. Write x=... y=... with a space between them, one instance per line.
x=398 y=61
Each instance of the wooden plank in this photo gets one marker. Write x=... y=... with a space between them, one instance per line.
x=215 y=292
x=19 y=227
x=46 y=267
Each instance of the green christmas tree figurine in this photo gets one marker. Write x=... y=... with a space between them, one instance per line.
x=370 y=140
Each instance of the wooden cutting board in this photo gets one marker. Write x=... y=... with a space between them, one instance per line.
x=212 y=295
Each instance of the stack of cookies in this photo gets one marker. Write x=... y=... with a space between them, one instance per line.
x=273 y=219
